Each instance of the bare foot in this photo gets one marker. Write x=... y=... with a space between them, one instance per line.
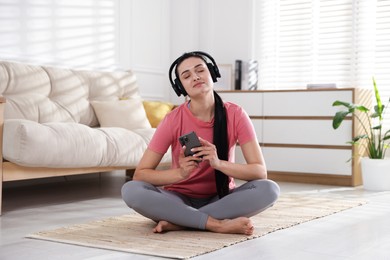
x=241 y=225
x=165 y=226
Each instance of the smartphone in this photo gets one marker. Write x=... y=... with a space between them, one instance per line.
x=190 y=140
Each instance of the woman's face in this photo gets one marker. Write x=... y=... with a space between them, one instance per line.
x=195 y=76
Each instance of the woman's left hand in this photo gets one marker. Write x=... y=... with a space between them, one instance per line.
x=208 y=151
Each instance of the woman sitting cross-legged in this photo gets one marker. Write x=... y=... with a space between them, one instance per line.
x=198 y=191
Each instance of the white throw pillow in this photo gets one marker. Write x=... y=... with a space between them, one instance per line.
x=128 y=113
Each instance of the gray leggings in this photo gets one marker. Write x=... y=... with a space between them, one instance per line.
x=158 y=204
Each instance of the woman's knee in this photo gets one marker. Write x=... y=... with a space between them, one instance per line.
x=132 y=190
x=268 y=188
x=274 y=190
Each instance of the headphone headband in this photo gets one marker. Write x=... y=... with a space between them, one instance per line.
x=212 y=67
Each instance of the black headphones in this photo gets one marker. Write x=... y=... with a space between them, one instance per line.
x=212 y=67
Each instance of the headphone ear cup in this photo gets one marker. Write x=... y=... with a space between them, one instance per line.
x=214 y=72
x=176 y=89
x=179 y=89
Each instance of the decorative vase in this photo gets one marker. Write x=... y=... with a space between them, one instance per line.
x=376 y=174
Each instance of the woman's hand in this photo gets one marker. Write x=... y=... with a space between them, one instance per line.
x=208 y=152
x=253 y=169
x=187 y=164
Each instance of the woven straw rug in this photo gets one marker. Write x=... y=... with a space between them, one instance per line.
x=132 y=233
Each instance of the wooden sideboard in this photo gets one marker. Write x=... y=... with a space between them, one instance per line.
x=294 y=129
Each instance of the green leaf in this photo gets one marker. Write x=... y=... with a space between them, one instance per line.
x=342 y=103
x=339 y=118
x=378 y=127
x=379 y=107
x=374 y=115
x=362 y=109
x=357 y=138
x=387 y=135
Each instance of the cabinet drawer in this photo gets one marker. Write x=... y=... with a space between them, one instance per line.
x=250 y=102
x=304 y=103
x=304 y=160
x=301 y=160
x=308 y=132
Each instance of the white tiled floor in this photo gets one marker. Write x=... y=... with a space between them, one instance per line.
x=359 y=233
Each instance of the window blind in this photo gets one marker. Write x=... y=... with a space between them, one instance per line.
x=345 y=42
x=71 y=33
x=382 y=54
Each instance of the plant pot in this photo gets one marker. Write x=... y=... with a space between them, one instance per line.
x=376 y=174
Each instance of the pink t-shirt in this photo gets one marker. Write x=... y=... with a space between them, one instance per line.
x=201 y=183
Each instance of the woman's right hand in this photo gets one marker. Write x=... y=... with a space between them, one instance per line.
x=187 y=164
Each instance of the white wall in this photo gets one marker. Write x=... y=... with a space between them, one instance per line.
x=223 y=28
x=226 y=29
x=144 y=44
x=141 y=35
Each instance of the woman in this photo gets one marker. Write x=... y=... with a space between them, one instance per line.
x=199 y=191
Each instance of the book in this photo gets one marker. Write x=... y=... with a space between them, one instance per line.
x=249 y=75
x=237 y=74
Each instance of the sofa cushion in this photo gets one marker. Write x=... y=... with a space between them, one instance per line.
x=156 y=111
x=69 y=145
x=128 y=113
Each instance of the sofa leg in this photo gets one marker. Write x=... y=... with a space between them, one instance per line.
x=129 y=174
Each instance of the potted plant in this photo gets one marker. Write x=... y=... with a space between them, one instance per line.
x=375 y=168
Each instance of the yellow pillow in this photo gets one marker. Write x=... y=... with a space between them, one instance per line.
x=156 y=111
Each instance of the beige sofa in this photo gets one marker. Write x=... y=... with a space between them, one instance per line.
x=58 y=122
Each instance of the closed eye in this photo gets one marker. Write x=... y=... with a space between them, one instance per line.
x=186 y=75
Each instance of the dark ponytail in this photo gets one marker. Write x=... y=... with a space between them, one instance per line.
x=220 y=137
x=221 y=142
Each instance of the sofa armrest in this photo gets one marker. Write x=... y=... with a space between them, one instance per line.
x=2 y=105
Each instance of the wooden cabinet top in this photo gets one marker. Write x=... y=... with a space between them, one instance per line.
x=288 y=90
